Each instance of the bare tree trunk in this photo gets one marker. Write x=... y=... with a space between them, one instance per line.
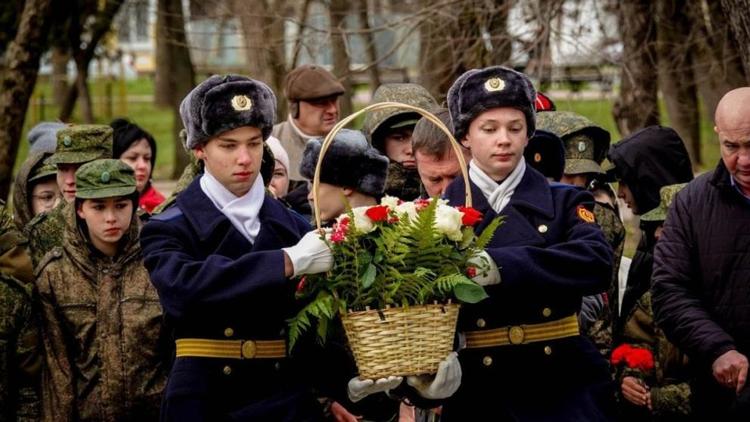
x=337 y=11
x=102 y=24
x=18 y=80
x=717 y=62
x=738 y=14
x=637 y=106
x=436 y=58
x=540 y=63
x=462 y=36
x=675 y=46
x=372 y=55
x=60 y=58
x=175 y=76
x=302 y=14
x=263 y=31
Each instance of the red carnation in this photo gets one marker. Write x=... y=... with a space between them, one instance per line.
x=470 y=217
x=640 y=359
x=618 y=355
x=301 y=284
x=421 y=204
x=377 y=213
x=471 y=272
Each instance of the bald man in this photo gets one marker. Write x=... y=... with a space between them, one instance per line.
x=701 y=279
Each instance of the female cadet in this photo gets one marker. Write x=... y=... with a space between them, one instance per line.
x=104 y=348
x=221 y=259
x=521 y=352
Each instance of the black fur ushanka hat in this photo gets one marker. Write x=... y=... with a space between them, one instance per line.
x=223 y=103
x=350 y=161
x=479 y=90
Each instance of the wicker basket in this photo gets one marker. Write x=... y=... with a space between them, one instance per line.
x=398 y=341
x=401 y=341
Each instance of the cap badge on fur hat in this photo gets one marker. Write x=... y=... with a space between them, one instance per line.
x=537 y=157
x=581 y=146
x=105 y=177
x=241 y=103
x=494 y=84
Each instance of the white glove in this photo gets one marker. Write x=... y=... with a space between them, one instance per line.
x=441 y=385
x=310 y=255
x=359 y=389
x=487 y=272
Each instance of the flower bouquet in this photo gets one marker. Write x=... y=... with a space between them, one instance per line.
x=398 y=266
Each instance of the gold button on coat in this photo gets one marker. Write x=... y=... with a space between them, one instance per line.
x=542 y=228
x=546 y=312
x=547 y=350
x=481 y=323
x=487 y=361
x=228 y=332
x=227 y=370
x=248 y=349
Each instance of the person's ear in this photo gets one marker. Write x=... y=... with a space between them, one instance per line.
x=716 y=129
x=465 y=142
x=200 y=152
x=79 y=211
x=347 y=192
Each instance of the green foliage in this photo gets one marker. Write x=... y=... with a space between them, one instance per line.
x=402 y=261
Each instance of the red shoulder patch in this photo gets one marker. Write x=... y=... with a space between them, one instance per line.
x=585 y=215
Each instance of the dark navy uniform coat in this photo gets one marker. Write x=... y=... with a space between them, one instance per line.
x=214 y=284
x=549 y=257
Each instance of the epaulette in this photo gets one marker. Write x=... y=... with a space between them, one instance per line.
x=169 y=214
x=53 y=255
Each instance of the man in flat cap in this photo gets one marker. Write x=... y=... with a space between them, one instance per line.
x=313 y=95
x=222 y=259
x=76 y=145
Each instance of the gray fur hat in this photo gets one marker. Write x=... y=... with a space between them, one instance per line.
x=350 y=161
x=43 y=137
x=479 y=90
x=222 y=103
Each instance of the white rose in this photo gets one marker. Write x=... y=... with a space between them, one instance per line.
x=408 y=208
x=389 y=201
x=361 y=221
x=448 y=222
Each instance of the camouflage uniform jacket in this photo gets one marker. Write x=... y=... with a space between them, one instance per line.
x=106 y=354
x=669 y=383
x=20 y=360
x=45 y=232
x=14 y=259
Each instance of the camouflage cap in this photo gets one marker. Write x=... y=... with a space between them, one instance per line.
x=41 y=171
x=104 y=179
x=77 y=144
x=667 y=194
x=411 y=94
x=586 y=143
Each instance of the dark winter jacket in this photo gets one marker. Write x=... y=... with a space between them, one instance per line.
x=646 y=161
x=701 y=281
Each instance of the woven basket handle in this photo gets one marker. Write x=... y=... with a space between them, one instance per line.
x=376 y=107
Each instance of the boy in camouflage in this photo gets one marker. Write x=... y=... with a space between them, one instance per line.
x=390 y=132
x=105 y=352
x=76 y=145
x=666 y=397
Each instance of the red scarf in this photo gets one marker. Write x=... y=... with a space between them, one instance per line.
x=150 y=199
